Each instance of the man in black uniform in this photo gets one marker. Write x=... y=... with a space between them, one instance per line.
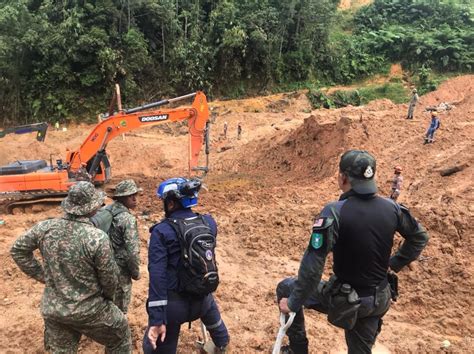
x=359 y=229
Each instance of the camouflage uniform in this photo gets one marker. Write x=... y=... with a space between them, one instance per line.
x=79 y=273
x=82 y=174
x=413 y=101
x=125 y=241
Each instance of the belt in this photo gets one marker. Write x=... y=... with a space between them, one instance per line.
x=370 y=291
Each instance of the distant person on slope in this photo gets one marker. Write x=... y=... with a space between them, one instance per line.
x=411 y=106
x=359 y=229
x=225 y=130
x=239 y=131
x=434 y=126
x=396 y=183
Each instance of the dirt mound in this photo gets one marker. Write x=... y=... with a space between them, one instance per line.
x=352 y=4
x=457 y=91
x=309 y=151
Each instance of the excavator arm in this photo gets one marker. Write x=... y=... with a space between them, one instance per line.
x=40 y=128
x=92 y=151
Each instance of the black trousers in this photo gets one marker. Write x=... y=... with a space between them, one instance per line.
x=360 y=339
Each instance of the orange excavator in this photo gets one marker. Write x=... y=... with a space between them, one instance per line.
x=34 y=181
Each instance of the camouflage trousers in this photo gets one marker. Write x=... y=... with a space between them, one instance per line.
x=411 y=110
x=109 y=328
x=123 y=293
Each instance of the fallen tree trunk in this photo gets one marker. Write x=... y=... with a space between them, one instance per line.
x=452 y=170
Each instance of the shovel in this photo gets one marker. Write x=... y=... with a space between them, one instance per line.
x=281 y=332
x=205 y=345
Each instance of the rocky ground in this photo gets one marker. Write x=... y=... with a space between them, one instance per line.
x=264 y=191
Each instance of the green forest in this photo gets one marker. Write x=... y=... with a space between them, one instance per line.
x=60 y=59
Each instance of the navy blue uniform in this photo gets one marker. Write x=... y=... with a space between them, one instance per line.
x=165 y=305
x=359 y=230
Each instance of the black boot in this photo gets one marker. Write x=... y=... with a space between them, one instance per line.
x=285 y=349
x=299 y=347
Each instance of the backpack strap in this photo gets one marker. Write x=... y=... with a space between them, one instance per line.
x=177 y=226
x=114 y=213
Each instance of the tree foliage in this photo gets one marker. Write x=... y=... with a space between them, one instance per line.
x=60 y=59
x=436 y=34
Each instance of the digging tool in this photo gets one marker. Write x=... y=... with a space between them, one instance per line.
x=281 y=332
x=205 y=345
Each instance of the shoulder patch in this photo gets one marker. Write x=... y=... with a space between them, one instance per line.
x=319 y=222
x=317 y=240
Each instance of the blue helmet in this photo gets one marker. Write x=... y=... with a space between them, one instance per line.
x=184 y=190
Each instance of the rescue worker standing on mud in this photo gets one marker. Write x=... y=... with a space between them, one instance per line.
x=397 y=182
x=434 y=126
x=172 y=300
x=79 y=273
x=125 y=240
x=359 y=230
x=411 y=106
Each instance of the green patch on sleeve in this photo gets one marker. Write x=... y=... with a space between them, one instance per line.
x=316 y=240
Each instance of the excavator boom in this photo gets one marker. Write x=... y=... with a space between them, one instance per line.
x=196 y=115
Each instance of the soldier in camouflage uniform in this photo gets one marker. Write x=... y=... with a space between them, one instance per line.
x=411 y=106
x=79 y=273
x=125 y=240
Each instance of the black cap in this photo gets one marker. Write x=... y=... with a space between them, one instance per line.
x=360 y=167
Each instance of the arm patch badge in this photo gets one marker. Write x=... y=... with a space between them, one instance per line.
x=319 y=222
x=317 y=240
x=317 y=237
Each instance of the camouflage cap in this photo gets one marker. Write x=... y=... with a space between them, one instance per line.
x=125 y=188
x=360 y=167
x=82 y=199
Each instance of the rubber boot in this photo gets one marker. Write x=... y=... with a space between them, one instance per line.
x=222 y=350
x=299 y=347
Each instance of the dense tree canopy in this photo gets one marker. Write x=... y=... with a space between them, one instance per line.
x=59 y=59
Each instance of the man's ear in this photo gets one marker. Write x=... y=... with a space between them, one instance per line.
x=171 y=204
x=344 y=178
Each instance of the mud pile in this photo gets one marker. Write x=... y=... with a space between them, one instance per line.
x=309 y=151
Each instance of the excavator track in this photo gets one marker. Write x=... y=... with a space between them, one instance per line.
x=15 y=200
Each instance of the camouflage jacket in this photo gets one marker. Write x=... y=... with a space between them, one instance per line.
x=125 y=240
x=78 y=268
x=414 y=99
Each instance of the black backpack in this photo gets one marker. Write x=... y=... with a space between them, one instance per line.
x=198 y=273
